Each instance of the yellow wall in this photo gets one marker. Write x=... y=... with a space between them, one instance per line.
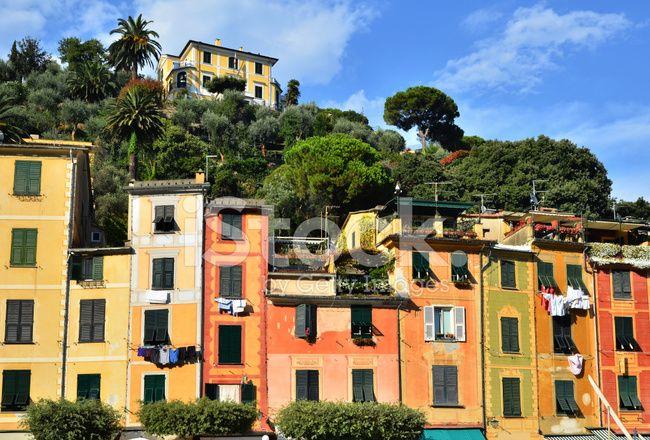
x=185 y=246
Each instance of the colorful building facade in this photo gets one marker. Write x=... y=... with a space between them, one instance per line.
x=165 y=229
x=234 y=308
x=199 y=62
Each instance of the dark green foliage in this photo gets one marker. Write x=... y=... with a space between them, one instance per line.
x=27 y=56
x=306 y=420
x=111 y=200
x=135 y=46
x=220 y=84
x=576 y=180
x=12 y=132
x=296 y=123
x=75 y=52
x=177 y=154
x=92 y=81
x=387 y=142
x=293 y=93
x=636 y=210
x=327 y=117
x=356 y=130
x=64 y=420
x=329 y=170
x=413 y=171
x=428 y=109
x=238 y=177
x=203 y=417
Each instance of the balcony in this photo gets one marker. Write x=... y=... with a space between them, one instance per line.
x=610 y=253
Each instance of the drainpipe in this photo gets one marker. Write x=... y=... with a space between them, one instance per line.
x=482 y=323
x=66 y=312
x=399 y=353
x=596 y=327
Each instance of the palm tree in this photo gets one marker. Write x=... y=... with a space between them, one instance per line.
x=92 y=81
x=136 y=115
x=9 y=130
x=136 y=45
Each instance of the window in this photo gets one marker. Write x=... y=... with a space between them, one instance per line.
x=95 y=236
x=154 y=388
x=23 y=247
x=164 y=218
x=259 y=92
x=361 y=321
x=562 y=341
x=230 y=283
x=445 y=385
x=574 y=277
x=27 y=178
x=420 y=266
x=627 y=394
x=230 y=344
x=622 y=285
x=510 y=335
x=565 y=402
x=91 y=320
x=19 y=322
x=231 y=226
x=155 y=327
x=625 y=341
x=86 y=269
x=508 y=279
x=244 y=393
x=362 y=386
x=163 y=274
x=232 y=63
x=545 y=275
x=259 y=68
x=307 y=385
x=306 y=321
x=354 y=240
x=444 y=323
x=181 y=80
x=88 y=386
x=511 y=397
x=15 y=390
x=207 y=57
x=459 y=271
x=206 y=81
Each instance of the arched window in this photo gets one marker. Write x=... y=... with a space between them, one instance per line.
x=181 y=80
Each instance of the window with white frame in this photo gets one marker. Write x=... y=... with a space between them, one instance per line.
x=444 y=323
x=259 y=91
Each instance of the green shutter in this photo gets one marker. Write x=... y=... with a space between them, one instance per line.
x=248 y=392
x=154 y=388
x=156 y=327
x=88 y=386
x=19 y=321
x=236 y=280
x=508 y=274
x=420 y=265
x=76 y=268
x=439 y=395
x=27 y=178
x=459 y=269
x=545 y=274
x=621 y=282
x=15 y=389
x=312 y=386
x=231 y=226
x=168 y=273
x=85 y=320
x=302 y=384
x=624 y=392
x=509 y=335
x=224 y=281
x=157 y=277
x=511 y=397
x=357 y=385
x=361 y=321
x=23 y=247
x=230 y=344
x=368 y=386
x=230 y=281
x=98 y=268
x=301 y=321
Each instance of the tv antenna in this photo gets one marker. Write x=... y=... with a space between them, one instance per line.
x=534 y=200
x=484 y=208
x=435 y=188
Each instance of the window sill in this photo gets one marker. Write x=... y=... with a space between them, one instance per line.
x=513 y=288
x=92 y=342
x=511 y=353
x=630 y=299
x=23 y=266
x=163 y=232
x=513 y=417
x=442 y=405
x=162 y=288
x=232 y=239
x=19 y=343
x=230 y=365
x=632 y=411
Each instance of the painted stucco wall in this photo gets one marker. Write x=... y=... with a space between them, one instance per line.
x=333 y=354
x=615 y=363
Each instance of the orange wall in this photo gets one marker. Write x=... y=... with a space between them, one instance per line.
x=249 y=252
x=333 y=354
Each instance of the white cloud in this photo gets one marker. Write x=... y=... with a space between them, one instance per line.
x=480 y=18
x=533 y=39
x=309 y=37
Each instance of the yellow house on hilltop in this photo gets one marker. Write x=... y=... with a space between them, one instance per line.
x=200 y=62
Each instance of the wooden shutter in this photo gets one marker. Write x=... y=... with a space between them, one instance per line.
x=168 y=274
x=236 y=280
x=76 y=268
x=88 y=386
x=26 y=324
x=8 y=390
x=157 y=277
x=154 y=388
x=459 y=323
x=312 y=386
x=438 y=374
x=302 y=384
x=22 y=380
x=505 y=334
x=511 y=397
x=85 y=320
x=509 y=334
x=159 y=214
x=429 y=324
x=451 y=385
x=156 y=326
x=34 y=178
x=621 y=281
x=212 y=391
x=98 y=268
x=23 y=247
x=508 y=274
x=162 y=325
x=21 y=171
x=168 y=213
x=312 y=320
x=419 y=265
x=248 y=392
x=368 y=386
x=12 y=321
x=301 y=321
x=236 y=229
x=99 y=314
x=229 y=344
x=30 y=246
x=224 y=281
x=357 y=385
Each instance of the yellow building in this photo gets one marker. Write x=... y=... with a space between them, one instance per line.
x=200 y=62
x=45 y=212
x=166 y=232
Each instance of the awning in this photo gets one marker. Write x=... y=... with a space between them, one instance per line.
x=452 y=434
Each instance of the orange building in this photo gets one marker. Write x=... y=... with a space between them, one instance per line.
x=329 y=340
x=235 y=270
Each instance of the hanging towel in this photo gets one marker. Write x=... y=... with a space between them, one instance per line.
x=157 y=296
x=142 y=351
x=575 y=363
x=557 y=305
x=238 y=306
x=225 y=304
x=546 y=302
x=173 y=356
x=164 y=356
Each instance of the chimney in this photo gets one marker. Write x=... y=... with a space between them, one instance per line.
x=200 y=177
x=241 y=48
x=217 y=42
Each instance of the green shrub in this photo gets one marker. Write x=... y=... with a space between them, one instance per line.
x=65 y=420
x=219 y=84
x=203 y=417
x=305 y=420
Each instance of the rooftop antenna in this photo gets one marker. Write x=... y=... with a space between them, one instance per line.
x=534 y=200
x=614 y=205
x=483 y=208
x=435 y=194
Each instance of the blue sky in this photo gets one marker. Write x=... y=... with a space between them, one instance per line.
x=576 y=70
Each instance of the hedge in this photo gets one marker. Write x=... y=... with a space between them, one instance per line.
x=65 y=420
x=203 y=417
x=304 y=420
x=220 y=84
